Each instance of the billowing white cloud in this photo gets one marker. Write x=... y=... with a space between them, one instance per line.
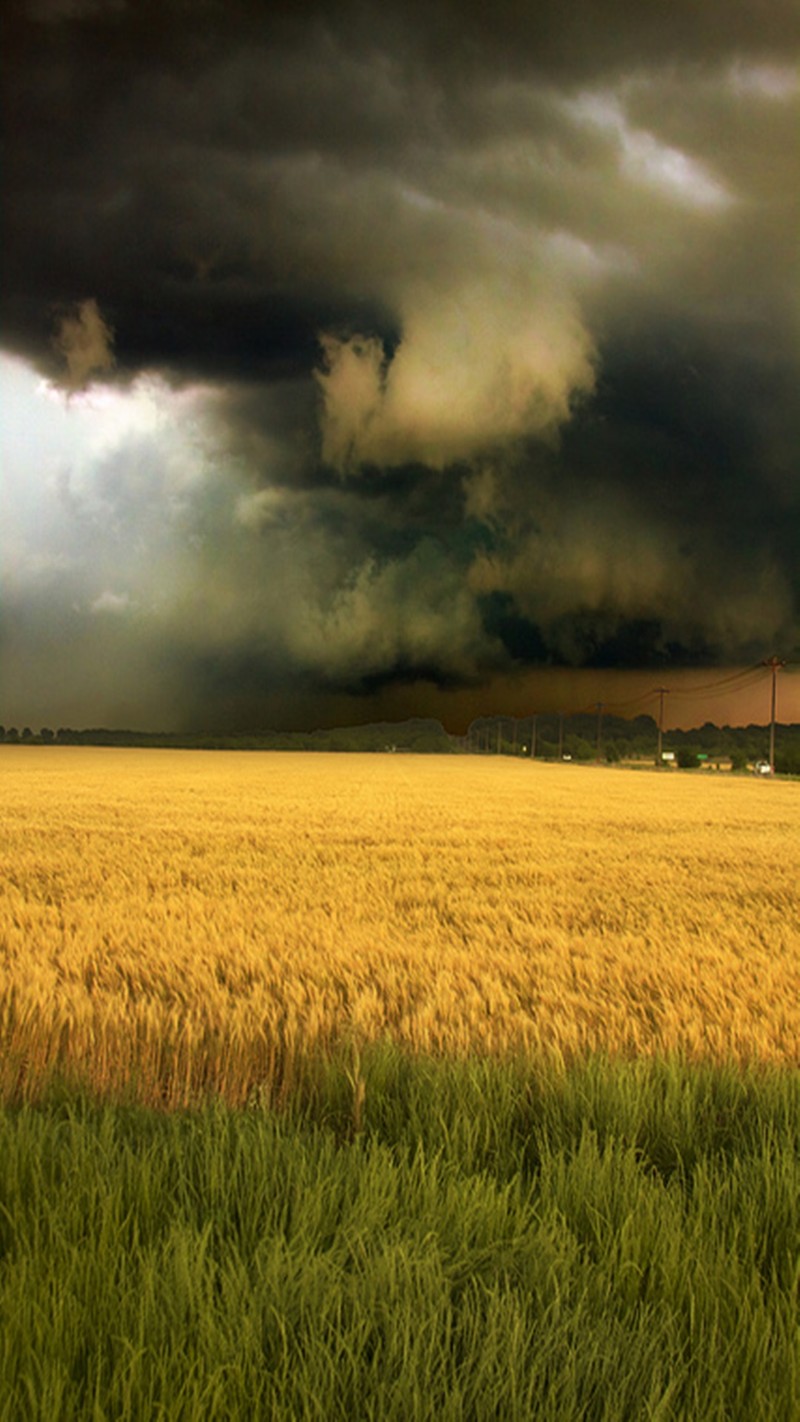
x=477 y=368
x=114 y=603
x=270 y=507
x=646 y=159
x=777 y=82
x=85 y=341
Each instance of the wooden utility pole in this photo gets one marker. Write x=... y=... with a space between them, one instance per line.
x=775 y=664
x=662 y=691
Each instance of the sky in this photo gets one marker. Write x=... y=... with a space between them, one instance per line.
x=361 y=362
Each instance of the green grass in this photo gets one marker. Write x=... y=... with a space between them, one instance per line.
x=473 y=1240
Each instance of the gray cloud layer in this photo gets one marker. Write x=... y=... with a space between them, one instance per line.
x=487 y=330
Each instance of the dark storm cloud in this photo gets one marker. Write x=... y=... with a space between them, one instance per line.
x=228 y=180
x=494 y=318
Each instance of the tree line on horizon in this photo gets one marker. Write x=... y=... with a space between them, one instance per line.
x=577 y=737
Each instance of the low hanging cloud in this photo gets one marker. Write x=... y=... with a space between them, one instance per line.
x=475 y=369
x=394 y=618
x=578 y=574
x=84 y=340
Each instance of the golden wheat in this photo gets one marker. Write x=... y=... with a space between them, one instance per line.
x=177 y=923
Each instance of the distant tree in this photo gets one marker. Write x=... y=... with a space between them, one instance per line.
x=579 y=748
x=12 y=734
x=738 y=759
x=687 y=757
x=2 y=733
x=787 y=762
x=27 y=734
x=46 y=734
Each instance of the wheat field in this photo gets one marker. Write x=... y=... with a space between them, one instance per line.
x=178 y=924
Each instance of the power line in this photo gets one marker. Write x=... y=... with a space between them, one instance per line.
x=728 y=685
x=754 y=679
x=722 y=681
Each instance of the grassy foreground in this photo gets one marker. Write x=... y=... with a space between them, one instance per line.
x=410 y=1239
